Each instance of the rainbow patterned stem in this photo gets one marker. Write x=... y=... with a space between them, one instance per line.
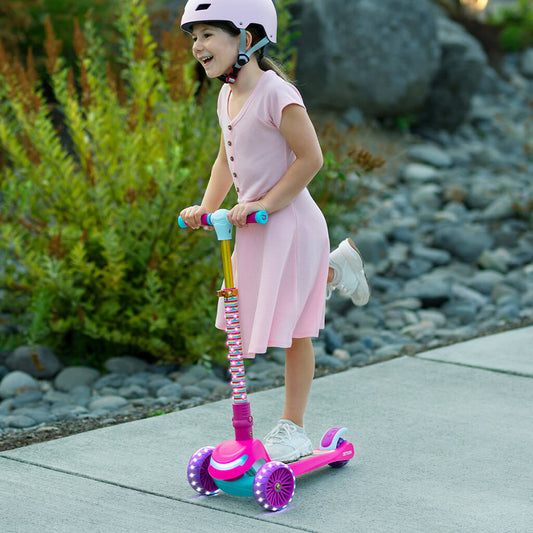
x=234 y=343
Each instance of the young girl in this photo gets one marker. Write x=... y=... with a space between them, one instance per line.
x=269 y=151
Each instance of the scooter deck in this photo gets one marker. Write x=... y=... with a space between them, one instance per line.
x=320 y=458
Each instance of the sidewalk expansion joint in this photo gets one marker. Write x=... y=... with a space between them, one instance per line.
x=153 y=493
x=515 y=373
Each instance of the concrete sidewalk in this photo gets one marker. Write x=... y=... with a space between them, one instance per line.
x=444 y=443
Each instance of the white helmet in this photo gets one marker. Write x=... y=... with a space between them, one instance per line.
x=239 y=13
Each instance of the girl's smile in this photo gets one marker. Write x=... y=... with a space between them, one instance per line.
x=215 y=49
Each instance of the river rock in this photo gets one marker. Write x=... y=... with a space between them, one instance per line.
x=193 y=391
x=110 y=380
x=526 y=63
x=17 y=421
x=373 y=245
x=431 y=290
x=467 y=242
x=419 y=173
x=108 y=403
x=431 y=155
x=125 y=365
x=26 y=398
x=15 y=383
x=170 y=390
x=485 y=281
x=37 y=361
x=73 y=376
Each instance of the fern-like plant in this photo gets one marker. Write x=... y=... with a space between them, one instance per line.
x=88 y=209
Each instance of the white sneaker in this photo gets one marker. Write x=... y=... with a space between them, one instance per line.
x=287 y=442
x=350 y=279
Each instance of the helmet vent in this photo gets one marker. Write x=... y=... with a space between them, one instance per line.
x=203 y=7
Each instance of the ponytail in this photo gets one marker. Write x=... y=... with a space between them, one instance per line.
x=266 y=63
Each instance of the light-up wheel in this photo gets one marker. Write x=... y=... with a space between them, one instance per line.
x=339 y=464
x=197 y=472
x=274 y=486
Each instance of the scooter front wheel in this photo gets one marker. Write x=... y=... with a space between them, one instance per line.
x=274 y=486
x=198 y=474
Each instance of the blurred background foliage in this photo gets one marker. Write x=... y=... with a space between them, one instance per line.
x=516 y=23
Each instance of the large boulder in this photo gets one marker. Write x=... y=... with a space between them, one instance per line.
x=380 y=57
x=463 y=63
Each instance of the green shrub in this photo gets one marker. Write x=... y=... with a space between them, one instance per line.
x=516 y=22
x=88 y=221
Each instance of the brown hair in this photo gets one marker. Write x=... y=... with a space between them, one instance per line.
x=256 y=30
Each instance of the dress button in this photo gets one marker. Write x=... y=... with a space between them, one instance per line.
x=229 y=143
x=234 y=174
x=232 y=158
x=229 y=127
x=237 y=189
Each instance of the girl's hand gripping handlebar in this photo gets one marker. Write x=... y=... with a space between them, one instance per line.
x=259 y=217
x=223 y=228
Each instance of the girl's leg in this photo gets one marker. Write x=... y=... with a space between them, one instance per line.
x=299 y=373
x=288 y=441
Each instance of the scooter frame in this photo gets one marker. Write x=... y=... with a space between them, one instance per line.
x=241 y=466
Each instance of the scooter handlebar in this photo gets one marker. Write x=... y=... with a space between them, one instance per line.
x=259 y=217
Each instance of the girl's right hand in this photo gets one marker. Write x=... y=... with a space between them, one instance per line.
x=192 y=216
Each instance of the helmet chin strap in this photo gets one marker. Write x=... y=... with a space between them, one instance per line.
x=243 y=57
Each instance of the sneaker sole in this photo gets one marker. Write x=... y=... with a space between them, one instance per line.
x=295 y=456
x=292 y=458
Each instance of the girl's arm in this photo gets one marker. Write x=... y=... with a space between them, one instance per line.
x=299 y=132
x=218 y=187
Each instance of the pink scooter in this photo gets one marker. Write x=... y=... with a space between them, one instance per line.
x=241 y=466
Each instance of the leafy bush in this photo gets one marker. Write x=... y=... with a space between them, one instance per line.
x=88 y=222
x=516 y=22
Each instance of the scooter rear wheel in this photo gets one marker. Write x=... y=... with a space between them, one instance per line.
x=339 y=464
x=197 y=472
x=274 y=485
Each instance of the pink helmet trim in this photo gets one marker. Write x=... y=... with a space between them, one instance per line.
x=241 y=13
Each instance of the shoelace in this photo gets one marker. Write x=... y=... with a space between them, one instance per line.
x=280 y=433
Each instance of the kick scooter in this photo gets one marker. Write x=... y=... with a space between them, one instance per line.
x=241 y=466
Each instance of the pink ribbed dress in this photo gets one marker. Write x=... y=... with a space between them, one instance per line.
x=279 y=268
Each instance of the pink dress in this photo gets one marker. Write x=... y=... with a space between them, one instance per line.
x=279 y=268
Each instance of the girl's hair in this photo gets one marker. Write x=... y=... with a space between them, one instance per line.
x=257 y=32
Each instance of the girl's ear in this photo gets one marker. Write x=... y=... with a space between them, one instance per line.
x=248 y=40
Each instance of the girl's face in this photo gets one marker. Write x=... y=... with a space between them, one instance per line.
x=215 y=49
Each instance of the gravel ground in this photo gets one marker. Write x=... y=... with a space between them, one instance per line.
x=65 y=428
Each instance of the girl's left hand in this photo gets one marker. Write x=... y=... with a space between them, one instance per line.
x=237 y=215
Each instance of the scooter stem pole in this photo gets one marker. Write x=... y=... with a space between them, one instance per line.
x=225 y=248
x=242 y=418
